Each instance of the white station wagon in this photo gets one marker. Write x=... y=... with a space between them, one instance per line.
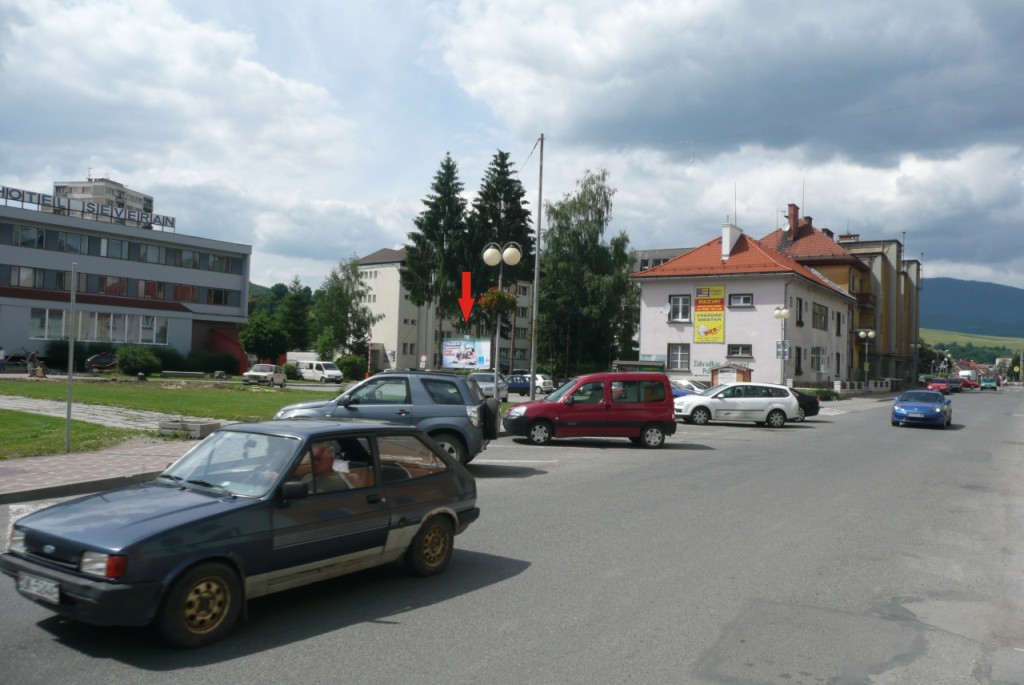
x=763 y=403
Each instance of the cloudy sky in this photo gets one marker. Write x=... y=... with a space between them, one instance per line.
x=312 y=129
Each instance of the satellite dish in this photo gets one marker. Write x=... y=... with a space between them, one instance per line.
x=667 y=308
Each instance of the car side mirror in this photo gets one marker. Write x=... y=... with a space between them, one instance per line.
x=569 y=400
x=294 y=489
x=344 y=400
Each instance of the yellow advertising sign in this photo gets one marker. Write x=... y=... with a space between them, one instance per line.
x=709 y=314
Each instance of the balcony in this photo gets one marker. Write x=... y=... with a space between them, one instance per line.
x=865 y=299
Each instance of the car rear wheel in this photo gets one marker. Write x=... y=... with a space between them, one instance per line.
x=431 y=549
x=776 y=418
x=540 y=432
x=202 y=606
x=652 y=437
x=700 y=416
x=451 y=444
x=800 y=415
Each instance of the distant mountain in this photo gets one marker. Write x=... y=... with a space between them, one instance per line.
x=949 y=304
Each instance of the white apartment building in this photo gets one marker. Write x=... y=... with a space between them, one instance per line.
x=407 y=337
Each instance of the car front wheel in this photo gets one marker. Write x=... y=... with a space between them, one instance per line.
x=652 y=437
x=202 y=606
x=431 y=549
x=700 y=416
x=540 y=433
x=776 y=418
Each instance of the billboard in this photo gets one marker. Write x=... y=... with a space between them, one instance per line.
x=709 y=314
x=466 y=353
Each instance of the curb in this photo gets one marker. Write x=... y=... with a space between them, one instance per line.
x=72 y=489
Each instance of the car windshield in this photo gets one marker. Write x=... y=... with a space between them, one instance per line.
x=713 y=391
x=236 y=462
x=919 y=396
x=262 y=368
x=330 y=366
x=559 y=392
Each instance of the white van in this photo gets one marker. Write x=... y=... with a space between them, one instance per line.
x=325 y=372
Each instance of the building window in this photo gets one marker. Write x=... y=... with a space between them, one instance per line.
x=839 y=324
x=27 y=236
x=679 y=357
x=114 y=249
x=741 y=300
x=818 y=358
x=679 y=308
x=740 y=351
x=820 y=317
x=24 y=277
x=799 y=311
x=798 y=360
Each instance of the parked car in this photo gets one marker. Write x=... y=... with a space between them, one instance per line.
x=104 y=361
x=244 y=514
x=519 y=385
x=763 y=403
x=450 y=408
x=265 y=374
x=324 y=372
x=544 y=383
x=689 y=385
x=637 y=406
x=988 y=383
x=955 y=384
x=810 y=404
x=938 y=384
x=485 y=380
x=970 y=383
x=922 y=407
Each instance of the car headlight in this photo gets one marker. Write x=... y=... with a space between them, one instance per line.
x=515 y=412
x=16 y=541
x=937 y=410
x=103 y=565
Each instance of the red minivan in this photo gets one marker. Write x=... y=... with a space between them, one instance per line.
x=635 y=405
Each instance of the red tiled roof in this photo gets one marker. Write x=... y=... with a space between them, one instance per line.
x=810 y=245
x=748 y=257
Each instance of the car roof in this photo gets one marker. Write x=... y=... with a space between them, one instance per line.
x=311 y=428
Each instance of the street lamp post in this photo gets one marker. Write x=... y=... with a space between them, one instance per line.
x=782 y=349
x=866 y=336
x=499 y=255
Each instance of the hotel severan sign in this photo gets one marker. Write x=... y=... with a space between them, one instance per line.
x=9 y=195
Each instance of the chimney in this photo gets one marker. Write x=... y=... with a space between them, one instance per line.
x=794 y=219
x=829 y=233
x=730 y=234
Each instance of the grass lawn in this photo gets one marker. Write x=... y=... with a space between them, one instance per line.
x=31 y=435
x=228 y=401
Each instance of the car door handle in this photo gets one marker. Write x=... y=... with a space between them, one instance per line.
x=376 y=498
x=403 y=412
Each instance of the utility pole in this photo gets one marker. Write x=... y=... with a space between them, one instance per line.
x=536 y=278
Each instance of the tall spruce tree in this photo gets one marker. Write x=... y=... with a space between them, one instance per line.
x=432 y=272
x=293 y=315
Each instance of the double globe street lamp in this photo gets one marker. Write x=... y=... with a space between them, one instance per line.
x=866 y=337
x=499 y=255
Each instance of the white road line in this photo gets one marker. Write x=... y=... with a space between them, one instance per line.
x=514 y=461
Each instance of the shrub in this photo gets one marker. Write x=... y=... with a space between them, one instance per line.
x=291 y=372
x=136 y=359
x=353 y=367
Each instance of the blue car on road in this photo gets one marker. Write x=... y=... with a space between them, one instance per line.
x=922 y=407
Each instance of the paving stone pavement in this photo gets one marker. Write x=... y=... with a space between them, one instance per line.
x=63 y=475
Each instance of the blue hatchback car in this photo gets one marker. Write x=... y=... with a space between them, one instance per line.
x=253 y=509
x=922 y=407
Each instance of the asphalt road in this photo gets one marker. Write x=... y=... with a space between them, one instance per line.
x=840 y=550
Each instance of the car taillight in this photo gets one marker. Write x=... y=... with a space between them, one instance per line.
x=474 y=416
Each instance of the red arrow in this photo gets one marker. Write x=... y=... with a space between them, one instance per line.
x=467 y=300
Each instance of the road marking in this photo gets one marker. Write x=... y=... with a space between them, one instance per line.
x=515 y=461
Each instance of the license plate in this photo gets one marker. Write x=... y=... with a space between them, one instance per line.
x=46 y=590
x=915 y=415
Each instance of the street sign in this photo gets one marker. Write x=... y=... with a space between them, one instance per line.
x=782 y=349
